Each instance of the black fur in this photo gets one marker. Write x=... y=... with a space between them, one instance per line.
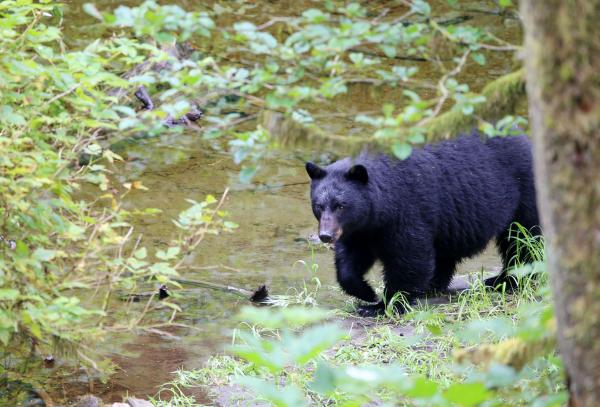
x=423 y=215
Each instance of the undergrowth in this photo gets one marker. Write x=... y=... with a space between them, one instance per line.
x=479 y=347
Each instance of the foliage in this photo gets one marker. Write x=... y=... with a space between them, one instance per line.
x=297 y=64
x=291 y=367
x=68 y=244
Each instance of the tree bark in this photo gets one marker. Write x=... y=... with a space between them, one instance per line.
x=562 y=44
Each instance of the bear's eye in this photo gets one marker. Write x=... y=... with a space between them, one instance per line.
x=339 y=207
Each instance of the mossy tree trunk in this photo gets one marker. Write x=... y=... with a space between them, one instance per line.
x=562 y=53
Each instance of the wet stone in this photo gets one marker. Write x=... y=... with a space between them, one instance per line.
x=89 y=401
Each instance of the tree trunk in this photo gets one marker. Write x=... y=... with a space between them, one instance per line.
x=562 y=53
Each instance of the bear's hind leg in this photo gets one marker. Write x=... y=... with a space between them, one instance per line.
x=512 y=255
x=507 y=249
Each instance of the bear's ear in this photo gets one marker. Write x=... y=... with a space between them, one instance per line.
x=314 y=171
x=359 y=173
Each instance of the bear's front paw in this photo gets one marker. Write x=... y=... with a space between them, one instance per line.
x=371 y=310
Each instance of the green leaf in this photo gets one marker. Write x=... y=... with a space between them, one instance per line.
x=5 y=336
x=9 y=116
x=324 y=381
x=467 y=109
x=90 y=8
x=314 y=15
x=8 y=294
x=163 y=268
x=467 y=394
x=136 y=264
x=171 y=253
x=420 y=7
x=140 y=253
x=261 y=352
x=44 y=254
x=244 y=26
x=422 y=388
x=312 y=342
x=356 y=57
x=93 y=149
x=388 y=50
x=388 y=109
x=416 y=138
x=499 y=376
x=247 y=173
x=22 y=250
x=230 y=225
x=479 y=58
x=402 y=150
x=435 y=329
x=287 y=396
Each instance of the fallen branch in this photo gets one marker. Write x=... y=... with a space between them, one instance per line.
x=261 y=294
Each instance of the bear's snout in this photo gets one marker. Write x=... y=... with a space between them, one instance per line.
x=325 y=237
x=329 y=228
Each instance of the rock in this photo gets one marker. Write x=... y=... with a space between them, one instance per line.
x=313 y=238
x=89 y=401
x=120 y=405
x=236 y=396
x=133 y=402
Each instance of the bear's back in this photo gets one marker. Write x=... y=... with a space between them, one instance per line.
x=481 y=185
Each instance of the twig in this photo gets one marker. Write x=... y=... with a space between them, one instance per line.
x=242 y=292
x=272 y=21
x=198 y=236
x=447 y=35
x=63 y=94
x=443 y=88
x=88 y=360
x=383 y=13
x=402 y=17
x=195 y=240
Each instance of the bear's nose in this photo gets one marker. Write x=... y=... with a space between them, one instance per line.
x=325 y=237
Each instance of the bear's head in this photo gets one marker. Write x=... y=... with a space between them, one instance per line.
x=340 y=198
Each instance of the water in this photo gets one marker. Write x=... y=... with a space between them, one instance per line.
x=274 y=218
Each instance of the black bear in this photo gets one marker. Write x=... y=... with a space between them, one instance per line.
x=423 y=215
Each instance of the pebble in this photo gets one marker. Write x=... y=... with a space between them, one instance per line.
x=89 y=401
